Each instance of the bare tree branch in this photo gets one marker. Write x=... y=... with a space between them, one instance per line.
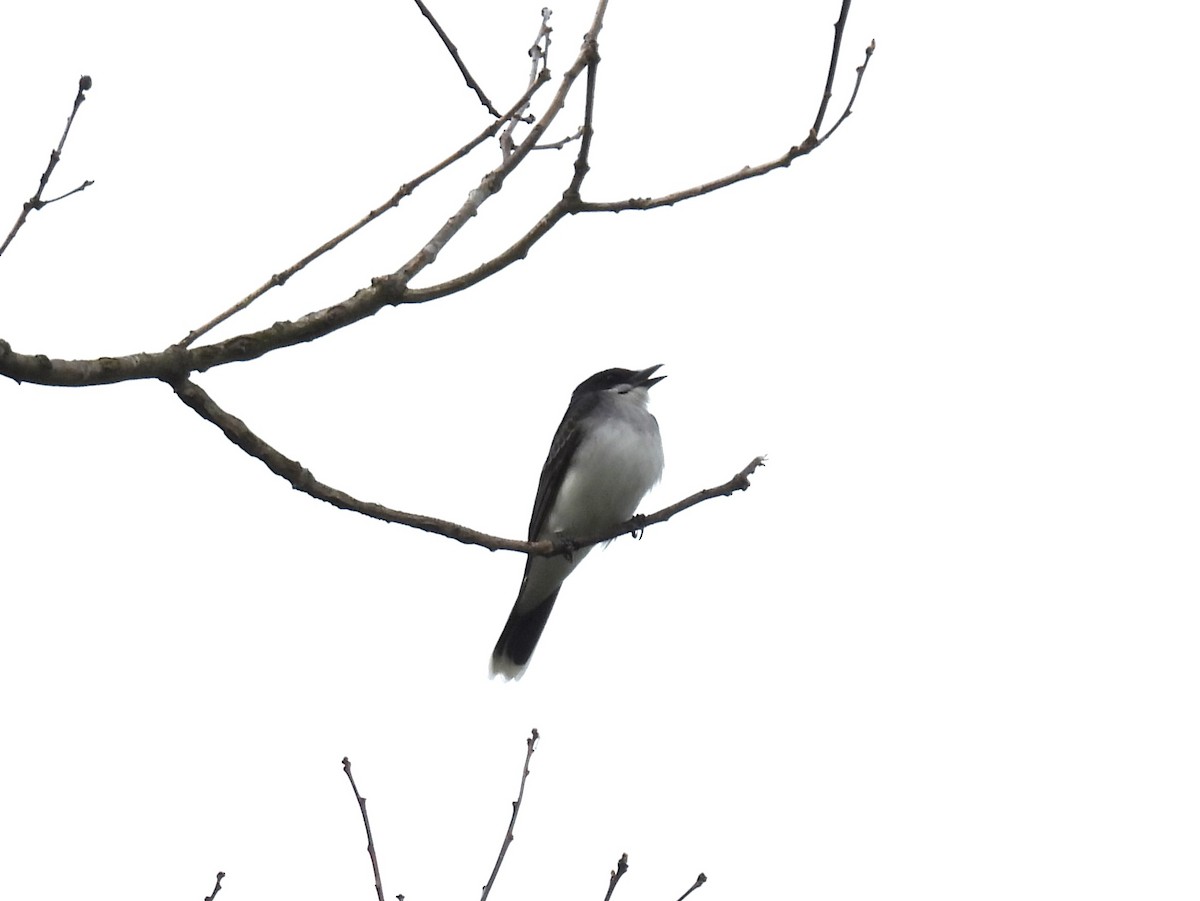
x=404 y=191
x=560 y=144
x=839 y=27
x=615 y=876
x=494 y=180
x=700 y=880
x=395 y=289
x=301 y=479
x=471 y=82
x=216 y=888
x=175 y=364
x=571 y=202
x=36 y=202
x=539 y=66
x=860 y=71
x=362 y=806
x=811 y=143
x=591 y=48
x=530 y=745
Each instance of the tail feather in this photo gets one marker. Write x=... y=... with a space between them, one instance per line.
x=519 y=638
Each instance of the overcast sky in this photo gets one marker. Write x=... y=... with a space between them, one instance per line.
x=945 y=646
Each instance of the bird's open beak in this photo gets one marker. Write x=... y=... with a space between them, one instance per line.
x=642 y=379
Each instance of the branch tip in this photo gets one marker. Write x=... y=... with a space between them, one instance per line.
x=216 y=887
x=615 y=875
x=36 y=202
x=530 y=744
x=700 y=880
x=362 y=806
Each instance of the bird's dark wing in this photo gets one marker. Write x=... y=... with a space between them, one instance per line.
x=562 y=451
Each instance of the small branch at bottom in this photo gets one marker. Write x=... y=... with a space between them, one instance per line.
x=700 y=880
x=530 y=745
x=216 y=888
x=615 y=876
x=362 y=806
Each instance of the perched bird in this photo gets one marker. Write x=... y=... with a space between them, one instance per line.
x=605 y=456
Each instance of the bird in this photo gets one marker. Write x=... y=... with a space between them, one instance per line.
x=605 y=456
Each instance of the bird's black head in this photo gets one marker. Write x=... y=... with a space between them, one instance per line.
x=621 y=380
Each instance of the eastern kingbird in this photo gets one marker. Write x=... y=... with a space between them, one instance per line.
x=605 y=456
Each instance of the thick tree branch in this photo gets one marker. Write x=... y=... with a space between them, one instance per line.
x=530 y=745
x=395 y=289
x=362 y=806
x=36 y=202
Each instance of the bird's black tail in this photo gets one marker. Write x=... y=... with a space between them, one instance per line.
x=519 y=638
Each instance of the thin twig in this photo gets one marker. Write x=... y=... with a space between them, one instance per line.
x=861 y=70
x=700 y=880
x=388 y=290
x=74 y=190
x=301 y=479
x=839 y=27
x=591 y=44
x=493 y=181
x=559 y=145
x=615 y=876
x=650 y=203
x=740 y=482
x=404 y=191
x=570 y=203
x=807 y=146
x=539 y=69
x=362 y=806
x=216 y=888
x=36 y=202
x=530 y=744
x=471 y=82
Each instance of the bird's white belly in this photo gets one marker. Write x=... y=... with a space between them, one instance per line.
x=611 y=472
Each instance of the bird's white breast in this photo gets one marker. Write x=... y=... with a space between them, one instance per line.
x=616 y=463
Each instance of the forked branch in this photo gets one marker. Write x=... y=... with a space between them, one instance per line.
x=36 y=202
x=175 y=364
x=395 y=288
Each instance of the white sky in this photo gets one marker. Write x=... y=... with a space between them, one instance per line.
x=944 y=647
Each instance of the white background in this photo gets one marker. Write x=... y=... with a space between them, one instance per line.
x=945 y=647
